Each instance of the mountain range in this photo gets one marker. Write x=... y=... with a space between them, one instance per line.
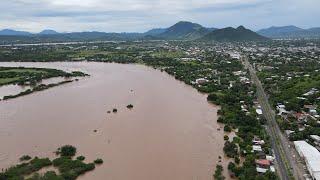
x=182 y=30
x=289 y=32
x=10 y=32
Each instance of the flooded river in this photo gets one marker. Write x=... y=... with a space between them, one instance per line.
x=170 y=134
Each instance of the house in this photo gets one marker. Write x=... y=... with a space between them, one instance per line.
x=257 y=141
x=310 y=107
x=270 y=158
x=238 y=73
x=313 y=112
x=234 y=55
x=281 y=109
x=261 y=170
x=261 y=155
x=201 y=81
x=259 y=112
x=263 y=163
x=288 y=132
x=316 y=138
x=256 y=148
x=300 y=116
x=244 y=80
x=311 y=92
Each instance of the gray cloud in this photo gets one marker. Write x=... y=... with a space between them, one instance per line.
x=140 y=15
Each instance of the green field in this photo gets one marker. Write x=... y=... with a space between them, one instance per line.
x=8 y=80
x=20 y=75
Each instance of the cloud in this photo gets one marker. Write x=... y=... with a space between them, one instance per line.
x=141 y=15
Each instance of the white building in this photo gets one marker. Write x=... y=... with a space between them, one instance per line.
x=256 y=148
x=315 y=138
x=201 y=81
x=259 y=111
x=311 y=156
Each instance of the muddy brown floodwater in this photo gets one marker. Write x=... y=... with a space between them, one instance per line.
x=170 y=134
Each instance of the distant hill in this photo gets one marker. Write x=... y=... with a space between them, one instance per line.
x=184 y=30
x=11 y=32
x=290 y=32
x=94 y=36
x=67 y=37
x=274 y=31
x=48 y=32
x=212 y=29
x=154 y=32
x=230 y=34
x=315 y=30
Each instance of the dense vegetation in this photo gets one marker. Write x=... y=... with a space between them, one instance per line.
x=31 y=76
x=218 y=173
x=68 y=168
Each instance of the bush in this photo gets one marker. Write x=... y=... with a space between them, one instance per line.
x=25 y=158
x=230 y=149
x=231 y=166
x=227 y=128
x=67 y=150
x=98 y=161
x=130 y=106
x=237 y=160
x=218 y=173
x=213 y=97
x=220 y=119
x=226 y=138
x=50 y=175
x=70 y=169
x=81 y=158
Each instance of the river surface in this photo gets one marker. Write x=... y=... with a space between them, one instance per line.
x=170 y=134
x=14 y=89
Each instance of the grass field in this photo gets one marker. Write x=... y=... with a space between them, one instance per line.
x=8 y=80
x=14 y=75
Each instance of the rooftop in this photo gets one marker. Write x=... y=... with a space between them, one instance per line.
x=311 y=156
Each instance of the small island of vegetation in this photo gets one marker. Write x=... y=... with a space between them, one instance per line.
x=68 y=168
x=130 y=106
x=32 y=77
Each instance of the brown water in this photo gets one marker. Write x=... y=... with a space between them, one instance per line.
x=170 y=134
x=14 y=89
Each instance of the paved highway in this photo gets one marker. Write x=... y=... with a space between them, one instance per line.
x=287 y=167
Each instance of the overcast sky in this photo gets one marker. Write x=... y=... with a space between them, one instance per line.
x=141 y=15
